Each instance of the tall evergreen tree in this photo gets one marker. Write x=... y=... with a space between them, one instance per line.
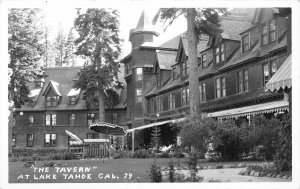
x=59 y=45
x=25 y=48
x=99 y=44
x=69 y=57
x=199 y=21
x=155 y=138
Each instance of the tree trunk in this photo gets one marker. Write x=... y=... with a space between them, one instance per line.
x=101 y=104
x=193 y=64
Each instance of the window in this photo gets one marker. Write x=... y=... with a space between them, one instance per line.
x=242 y=81
x=220 y=53
x=184 y=67
x=159 y=78
x=52 y=100
x=92 y=135
x=139 y=93
x=174 y=73
x=139 y=74
x=269 y=69
x=171 y=101
x=50 y=119
x=13 y=140
x=115 y=118
x=72 y=120
x=204 y=61
x=127 y=68
x=161 y=104
x=30 y=120
x=185 y=96
x=50 y=140
x=245 y=43
x=202 y=91
x=91 y=118
x=268 y=32
x=39 y=84
x=72 y=100
x=220 y=87
x=29 y=140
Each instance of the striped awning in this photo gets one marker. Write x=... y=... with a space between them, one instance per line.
x=95 y=140
x=73 y=136
x=275 y=106
x=282 y=78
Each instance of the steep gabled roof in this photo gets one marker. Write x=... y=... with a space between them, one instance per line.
x=165 y=59
x=55 y=88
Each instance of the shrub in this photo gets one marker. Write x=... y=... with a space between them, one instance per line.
x=121 y=154
x=178 y=154
x=155 y=173
x=142 y=154
x=227 y=140
x=283 y=157
x=69 y=156
x=163 y=155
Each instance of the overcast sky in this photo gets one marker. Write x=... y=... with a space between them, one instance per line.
x=128 y=20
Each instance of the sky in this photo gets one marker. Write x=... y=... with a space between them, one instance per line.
x=55 y=16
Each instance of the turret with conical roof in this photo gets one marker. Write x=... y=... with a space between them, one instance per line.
x=144 y=31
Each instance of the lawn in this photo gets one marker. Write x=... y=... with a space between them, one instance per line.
x=94 y=171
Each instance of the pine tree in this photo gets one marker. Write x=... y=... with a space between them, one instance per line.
x=69 y=57
x=155 y=138
x=99 y=44
x=59 y=45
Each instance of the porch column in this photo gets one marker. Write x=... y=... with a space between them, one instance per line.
x=132 y=145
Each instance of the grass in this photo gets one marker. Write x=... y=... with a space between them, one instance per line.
x=127 y=170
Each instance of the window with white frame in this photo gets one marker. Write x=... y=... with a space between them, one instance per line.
x=268 y=32
x=242 y=81
x=139 y=93
x=29 y=140
x=202 y=91
x=50 y=119
x=50 y=140
x=245 y=43
x=220 y=87
x=139 y=74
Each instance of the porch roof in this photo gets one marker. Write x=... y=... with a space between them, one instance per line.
x=275 y=106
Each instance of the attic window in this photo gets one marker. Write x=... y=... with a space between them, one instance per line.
x=220 y=53
x=204 y=61
x=245 y=43
x=174 y=73
x=39 y=84
x=72 y=100
x=268 y=32
x=52 y=101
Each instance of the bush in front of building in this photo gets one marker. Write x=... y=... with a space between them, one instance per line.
x=143 y=153
x=41 y=154
x=155 y=173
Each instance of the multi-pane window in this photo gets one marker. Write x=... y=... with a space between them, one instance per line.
x=204 y=61
x=139 y=74
x=184 y=67
x=50 y=140
x=72 y=100
x=202 y=91
x=29 y=140
x=71 y=119
x=50 y=119
x=91 y=118
x=174 y=73
x=52 y=100
x=39 y=84
x=185 y=96
x=13 y=140
x=115 y=118
x=127 y=68
x=269 y=69
x=220 y=53
x=220 y=87
x=245 y=43
x=242 y=81
x=30 y=120
x=268 y=32
x=171 y=101
x=139 y=93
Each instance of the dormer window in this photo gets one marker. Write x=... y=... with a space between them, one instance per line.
x=52 y=101
x=268 y=30
x=39 y=84
x=245 y=43
x=73 y=95
x=174 y=73
x=139 y=74
x=72 y=100
x=184 y=68
x=204 y=61
x=220 y=53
